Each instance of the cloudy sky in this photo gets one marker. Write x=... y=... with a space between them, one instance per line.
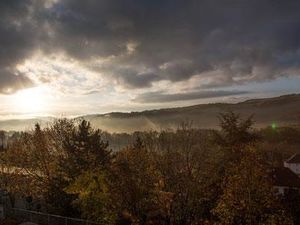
x=71 y=57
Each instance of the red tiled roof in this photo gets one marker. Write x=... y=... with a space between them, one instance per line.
x=294 y=159
x=282 y=176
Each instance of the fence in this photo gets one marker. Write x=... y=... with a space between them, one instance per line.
x=46 y=219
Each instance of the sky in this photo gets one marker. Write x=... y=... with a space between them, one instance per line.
x=74 y=57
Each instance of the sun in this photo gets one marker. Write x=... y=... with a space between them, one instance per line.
x=32 y=100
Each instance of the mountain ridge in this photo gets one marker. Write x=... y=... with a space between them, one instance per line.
x=284 y=110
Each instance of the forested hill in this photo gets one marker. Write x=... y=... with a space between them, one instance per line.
x=283 y=110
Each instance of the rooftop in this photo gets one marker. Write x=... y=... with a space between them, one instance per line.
x=283 y=176
x=294 y=159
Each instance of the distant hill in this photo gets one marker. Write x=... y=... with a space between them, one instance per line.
x=283 y=110
x=23 y=124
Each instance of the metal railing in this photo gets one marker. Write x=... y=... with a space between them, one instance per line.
x=46 y=219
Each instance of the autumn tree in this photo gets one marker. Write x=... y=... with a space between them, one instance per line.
x=54 y=157
x=2 y=139
x=35 y=158
x=248 y=196
x=94 y=197
x=291 y=201
x=135 y=182
x=187 y=165
x=35 y=165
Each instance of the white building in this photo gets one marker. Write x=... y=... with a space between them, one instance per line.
x=293 y=163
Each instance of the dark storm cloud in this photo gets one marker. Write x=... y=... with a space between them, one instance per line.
x=243 y=40
x=239 y=40
x=10 y=83
x=156 y=97
x=17 y=40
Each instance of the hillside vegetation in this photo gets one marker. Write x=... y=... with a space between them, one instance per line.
x=185 y=176
x=283 y=110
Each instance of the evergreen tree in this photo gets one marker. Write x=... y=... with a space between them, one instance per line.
x=83 y=150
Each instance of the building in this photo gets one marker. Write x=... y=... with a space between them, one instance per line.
x=293 y=163
x=284 y=180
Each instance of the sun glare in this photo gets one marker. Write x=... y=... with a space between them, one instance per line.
x=31 y=100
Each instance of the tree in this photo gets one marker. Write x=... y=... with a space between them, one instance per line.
x=54 y=157
x=187 y=165
x=79 y=150
x=291 y=201
x=36 y=165
x=135 y=182
x=248 y=196
x=82 y=155
x=94 y=197
x=235 y=135
x=2 y=138
x=35 y=158
x=83 y=149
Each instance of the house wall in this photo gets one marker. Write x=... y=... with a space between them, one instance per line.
x=295 y=167
x=279 y=190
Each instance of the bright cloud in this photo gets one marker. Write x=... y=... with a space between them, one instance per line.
x=117 y=55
